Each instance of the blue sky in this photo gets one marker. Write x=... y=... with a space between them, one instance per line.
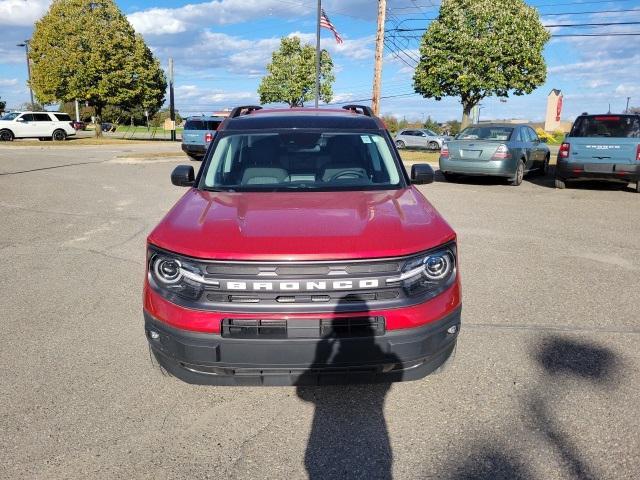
x=221 y=48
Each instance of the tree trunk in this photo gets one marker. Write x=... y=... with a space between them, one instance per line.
x=98 y=120
x=466 y=114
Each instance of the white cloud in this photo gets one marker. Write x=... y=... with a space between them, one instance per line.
x=217 y=12
x=22 y=13
x=8 y=82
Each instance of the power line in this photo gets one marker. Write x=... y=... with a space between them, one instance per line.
x=603 y=24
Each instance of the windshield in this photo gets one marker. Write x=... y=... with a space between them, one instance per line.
x=301 y=160
x=620 y=126
x=501 y=134
x=10 y=116
x=202 y=124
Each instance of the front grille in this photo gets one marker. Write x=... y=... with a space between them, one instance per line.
x=278 y=298
x=308 y=328
x=302 y=270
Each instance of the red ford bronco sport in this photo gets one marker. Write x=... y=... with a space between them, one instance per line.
x=302 y=254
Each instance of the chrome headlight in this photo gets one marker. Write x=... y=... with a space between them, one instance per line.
x=168 y=274
x=431 y=273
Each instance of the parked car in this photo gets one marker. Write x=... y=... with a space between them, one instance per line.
x=42 y=125
x=500 y=150
x=277 y=267
x=420 y=138
x=198 y=133
x=108 y=127
x=78 y=125
x=601 y=147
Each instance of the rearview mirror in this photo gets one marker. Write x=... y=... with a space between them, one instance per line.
x=183 y=176
x=422 y=173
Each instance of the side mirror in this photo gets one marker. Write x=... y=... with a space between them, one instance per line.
x=183 y=176
x=422 y=173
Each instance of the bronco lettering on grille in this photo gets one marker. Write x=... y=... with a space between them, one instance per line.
x=301 y=286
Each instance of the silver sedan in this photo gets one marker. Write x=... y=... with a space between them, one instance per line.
x=420 y=138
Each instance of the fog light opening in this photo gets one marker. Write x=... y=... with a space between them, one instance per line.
x=452 y=330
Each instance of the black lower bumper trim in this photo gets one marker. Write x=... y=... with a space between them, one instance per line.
x=209 y=359
x=604 y=171
x=195 y=150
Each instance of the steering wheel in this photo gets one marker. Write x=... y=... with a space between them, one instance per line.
x=349 y=173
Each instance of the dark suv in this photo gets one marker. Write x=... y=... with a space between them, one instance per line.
x=301 y=253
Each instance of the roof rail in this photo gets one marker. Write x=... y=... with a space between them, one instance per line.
x=361 y=109
x=244 y=110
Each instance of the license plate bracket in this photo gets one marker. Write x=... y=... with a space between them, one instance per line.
x=598 y=168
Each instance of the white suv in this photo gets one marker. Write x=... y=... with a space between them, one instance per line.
x=42 y=125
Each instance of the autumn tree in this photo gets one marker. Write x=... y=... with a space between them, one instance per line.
x=87 y=49
x=291 y=76
x=481 y=48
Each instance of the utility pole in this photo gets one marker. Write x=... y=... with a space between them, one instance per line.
x=77 y=111
x=627 y=109
x=377 y=73
x=26 y=49
x=172 y=110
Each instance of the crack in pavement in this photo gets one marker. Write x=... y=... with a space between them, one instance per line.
x=51 y=168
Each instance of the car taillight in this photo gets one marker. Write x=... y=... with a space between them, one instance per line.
x=565 y=148
x=208 y=137
x=444 y=151
x=638 y=153
x=502 y=153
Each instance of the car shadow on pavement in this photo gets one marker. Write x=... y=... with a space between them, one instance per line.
x=472 y=179
x=602 y=185
x=349 y=436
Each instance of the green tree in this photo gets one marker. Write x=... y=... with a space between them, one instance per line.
x=86 y=49
x=432 y=125
x=453 y=127
x=391 y=122
x=291 y=76
x=480 y=48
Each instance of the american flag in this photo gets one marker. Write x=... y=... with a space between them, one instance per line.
x=326 y=23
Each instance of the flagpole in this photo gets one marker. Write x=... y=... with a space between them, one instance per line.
x=318 y=54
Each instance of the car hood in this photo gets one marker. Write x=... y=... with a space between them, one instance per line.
x=306 y=225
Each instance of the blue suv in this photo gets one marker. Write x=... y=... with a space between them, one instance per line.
x=198 y=134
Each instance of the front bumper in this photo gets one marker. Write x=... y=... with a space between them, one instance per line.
x=398 y=355
x=600 y=171
x=494 y=168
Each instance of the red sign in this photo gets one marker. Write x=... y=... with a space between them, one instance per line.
x=559 y=109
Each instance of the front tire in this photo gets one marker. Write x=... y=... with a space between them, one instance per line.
x=400 y=144
x=519 y=175
x=6 y=136
x=434 y=146
x=59 y=135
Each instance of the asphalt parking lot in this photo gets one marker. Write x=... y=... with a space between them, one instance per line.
x=545 y=383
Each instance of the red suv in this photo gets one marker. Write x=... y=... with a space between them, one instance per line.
x=302 y=254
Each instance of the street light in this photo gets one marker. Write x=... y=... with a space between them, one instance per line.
x=26 y=49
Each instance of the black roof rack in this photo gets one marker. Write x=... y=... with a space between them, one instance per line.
x=362 y=109
x=244 y=110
